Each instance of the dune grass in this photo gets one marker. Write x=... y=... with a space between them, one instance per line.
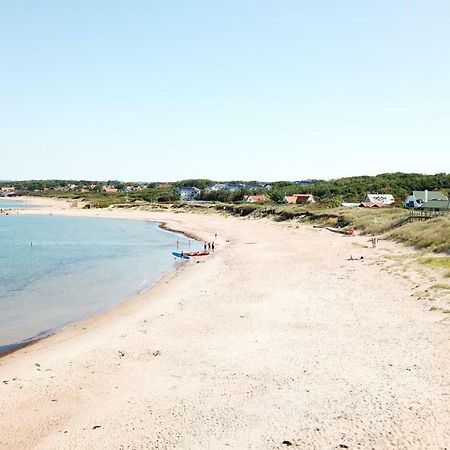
x=440 y=286
x=442 y=262
x=370 y=220
x=432 y=235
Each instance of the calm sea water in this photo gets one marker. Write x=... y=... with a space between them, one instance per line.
x=11 y=203
x=75 y=267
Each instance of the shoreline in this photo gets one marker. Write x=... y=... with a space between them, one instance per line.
x=47 y=334
x=275 y=337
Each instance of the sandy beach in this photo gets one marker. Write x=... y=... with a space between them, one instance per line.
x=277 y=340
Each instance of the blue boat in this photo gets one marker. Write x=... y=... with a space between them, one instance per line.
x=180 y=255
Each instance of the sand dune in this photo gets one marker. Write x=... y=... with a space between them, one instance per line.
x=276 y=339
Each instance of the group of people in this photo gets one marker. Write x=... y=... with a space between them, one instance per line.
x=210 y=246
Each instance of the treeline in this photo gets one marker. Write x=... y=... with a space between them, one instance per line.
x=332 y=192
x=354 y=189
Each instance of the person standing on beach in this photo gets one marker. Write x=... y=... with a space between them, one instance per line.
x=212 y=246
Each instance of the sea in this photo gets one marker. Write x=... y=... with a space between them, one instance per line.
x=55 y=271
x=12 y=203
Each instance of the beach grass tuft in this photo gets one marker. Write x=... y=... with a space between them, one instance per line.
x=440 y=286
x=432 y=235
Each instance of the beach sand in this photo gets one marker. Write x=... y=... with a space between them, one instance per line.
x=276 y=339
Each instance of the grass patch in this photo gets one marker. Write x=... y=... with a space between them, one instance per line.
x=440 y=286
x=442 y=262
x=432 y=235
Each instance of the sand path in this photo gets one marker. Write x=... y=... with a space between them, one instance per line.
x=276 y=338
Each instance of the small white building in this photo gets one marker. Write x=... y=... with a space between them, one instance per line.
x=189 y=193
x=387 y=199
x=417 y=198
x=7 y=190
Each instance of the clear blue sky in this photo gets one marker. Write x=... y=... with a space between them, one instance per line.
x=165 y=90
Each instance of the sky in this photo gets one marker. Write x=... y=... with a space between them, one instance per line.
x=144 y=90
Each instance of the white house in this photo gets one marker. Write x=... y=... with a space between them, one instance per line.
x=189 y=193
x=418 y=198
x=387 y=199
x=7 y=190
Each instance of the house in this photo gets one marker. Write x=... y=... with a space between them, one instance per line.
x=110 y=189
x=188 y=193
x=372 y=205
x=255 y=198
x=226 y=187
x=436 y=205
x=418 y=198
x=387 y=199
x=254 y=186
x=7 y=190
x=299 y=198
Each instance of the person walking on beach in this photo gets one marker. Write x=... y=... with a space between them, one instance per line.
x=205 y=246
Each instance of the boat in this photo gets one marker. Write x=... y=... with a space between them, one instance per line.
x=203 y=253
x=180 y=255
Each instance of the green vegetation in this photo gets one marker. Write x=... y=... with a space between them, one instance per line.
x=353 y=189
x=329 y=193
x=440 y=286
x=433 y=235
x=441 y=262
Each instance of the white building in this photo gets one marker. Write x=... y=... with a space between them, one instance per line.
x=418 y=198
x=387 y=199
x=189 y=193
x=7 y=190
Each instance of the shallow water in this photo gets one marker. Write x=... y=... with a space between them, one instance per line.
x=58 y=270
x=11 y=203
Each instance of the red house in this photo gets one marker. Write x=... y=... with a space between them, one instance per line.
x=299 y=198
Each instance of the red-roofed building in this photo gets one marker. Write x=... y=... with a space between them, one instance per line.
x=371 y=205
x=255 y=198
x=110 y=189
x=299 y=198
